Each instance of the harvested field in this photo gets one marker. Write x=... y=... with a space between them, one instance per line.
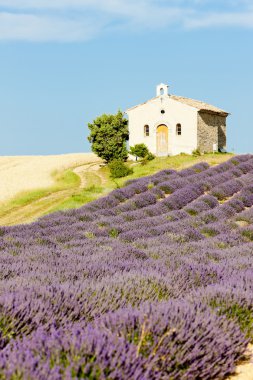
x=24 y=173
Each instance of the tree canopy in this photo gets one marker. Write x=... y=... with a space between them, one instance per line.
x=141 y=151
x=108 y=136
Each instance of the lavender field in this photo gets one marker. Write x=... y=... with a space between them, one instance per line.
x=154 y=281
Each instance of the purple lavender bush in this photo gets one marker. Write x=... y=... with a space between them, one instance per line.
x=153 y=281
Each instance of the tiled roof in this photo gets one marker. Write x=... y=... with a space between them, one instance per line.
x=201 y=106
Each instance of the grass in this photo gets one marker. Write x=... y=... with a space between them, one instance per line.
x=64 y=180
x=79 y=199
x=178 y=162
x=234 y=311
x=67 y=191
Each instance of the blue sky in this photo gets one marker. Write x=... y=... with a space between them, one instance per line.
x=64 y=62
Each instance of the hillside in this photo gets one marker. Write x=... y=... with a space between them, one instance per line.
x=24 y=173
x=33 y=186
x=153 y=281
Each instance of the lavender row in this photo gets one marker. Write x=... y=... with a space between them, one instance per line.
x=149 y=282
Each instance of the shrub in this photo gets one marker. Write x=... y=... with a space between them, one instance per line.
x=150 y=156
x=118 y=169
x=141 y=151
x=196 y=152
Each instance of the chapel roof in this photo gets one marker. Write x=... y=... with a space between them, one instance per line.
x=201 y=106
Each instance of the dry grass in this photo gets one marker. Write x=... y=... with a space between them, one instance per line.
x=24 y=173
x=33 y=186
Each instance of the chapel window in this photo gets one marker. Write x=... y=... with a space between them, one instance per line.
x=179 y=129
x=146 y=130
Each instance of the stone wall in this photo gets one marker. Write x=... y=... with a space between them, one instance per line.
x=222 y=134
x=211 y=130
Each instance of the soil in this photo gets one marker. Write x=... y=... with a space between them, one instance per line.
x=244 y=371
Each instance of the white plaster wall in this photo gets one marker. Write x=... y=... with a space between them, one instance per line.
x=175 y=112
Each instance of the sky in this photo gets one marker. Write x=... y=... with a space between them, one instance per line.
x=65 y=62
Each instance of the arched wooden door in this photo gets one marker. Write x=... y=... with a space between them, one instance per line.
x=162 y=140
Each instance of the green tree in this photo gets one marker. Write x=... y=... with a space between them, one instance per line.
x=108 y=136
x=141 y=151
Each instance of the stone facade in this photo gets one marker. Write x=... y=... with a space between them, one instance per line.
x=211 y=130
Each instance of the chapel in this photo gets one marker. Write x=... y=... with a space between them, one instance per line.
x=170 y=124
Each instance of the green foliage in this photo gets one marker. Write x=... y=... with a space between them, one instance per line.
x=166 y=188
x=248 y=234
x=113 y=233
x=28 y=197
x=119 y=169
x=243 y=315
x=108 y=136
x=192 y=211
x=141 y=151
x=150 y=156
x=208 y=232
x=67 y=179
x=89 y=235
x=150 y=185
x=219 y=195
x=182 y=154
x=196 y=152
x=147 y=158
x=209 y=218
x=6 y=327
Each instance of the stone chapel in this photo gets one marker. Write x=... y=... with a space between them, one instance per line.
x=170 y=124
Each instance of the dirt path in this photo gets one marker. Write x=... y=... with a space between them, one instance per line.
x=27 y=173
x=245 y=370
x=32 y=211
x=24 y=169
x=84 y=171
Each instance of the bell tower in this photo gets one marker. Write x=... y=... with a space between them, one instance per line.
x=162 y=89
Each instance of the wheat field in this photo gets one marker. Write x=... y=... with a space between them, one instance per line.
x=26 y=173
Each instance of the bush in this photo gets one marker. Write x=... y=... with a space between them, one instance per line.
x=141 y=151
x=150 y=156
x=118 y=169
x=196 y=152
x=147 y=158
